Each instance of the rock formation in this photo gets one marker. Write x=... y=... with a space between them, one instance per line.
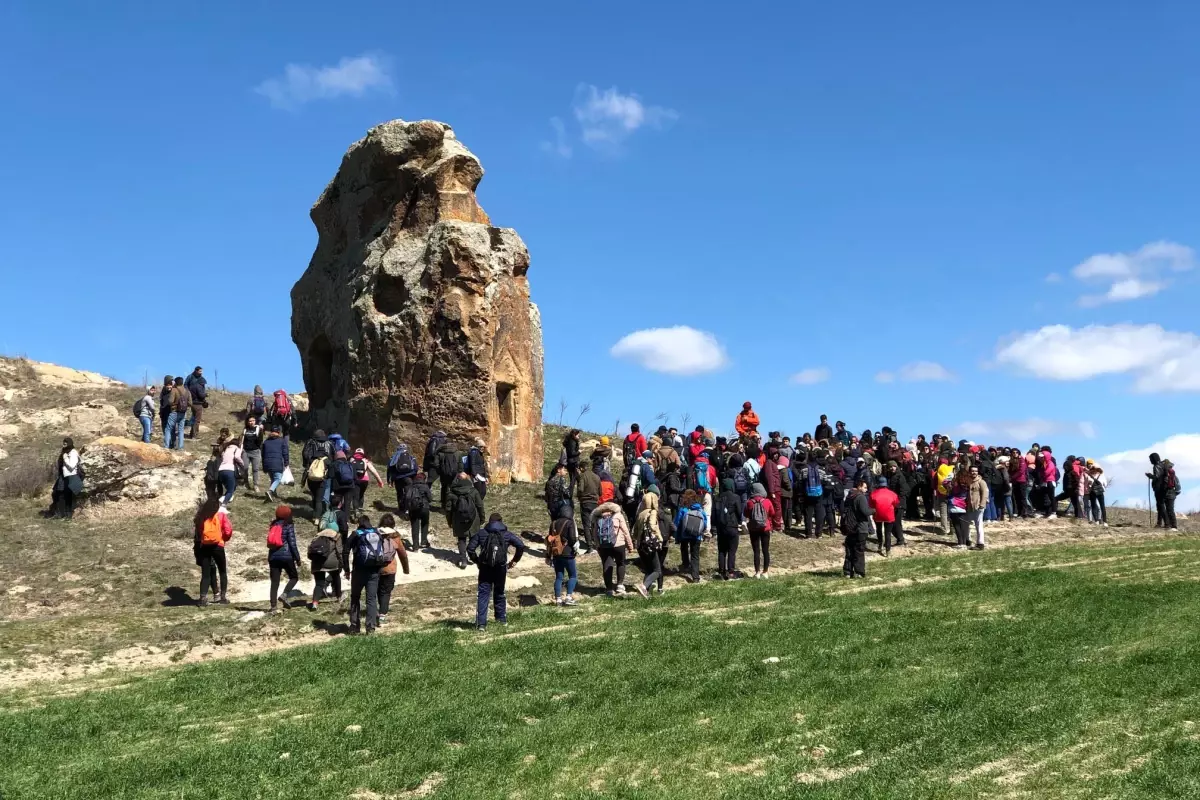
x=159 y=482
x=414 y=314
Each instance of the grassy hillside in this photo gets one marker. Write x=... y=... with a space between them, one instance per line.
x=1061 y=671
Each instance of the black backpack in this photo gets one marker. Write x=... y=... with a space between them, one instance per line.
x=449 y=463
x=494 y=553
x=464 y=509
x=212 y=470
x=320 y=548
x=360 y=470
x=627 y=451
x=727 y=509
x=415 y=499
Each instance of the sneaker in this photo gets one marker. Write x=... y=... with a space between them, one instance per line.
x=274 y=610
x=757 y=575
x=1052 y=516
x=765 y=575
x=312 y=606
x=642 y=591
x=462 y=565
x=283 y=601
x=980 y=547
x=621 y=590
x=224 y=601
x=960 y=547
x=382 y=619
x=609 y=592
x=558 y=601
x=203 y=601
x=1176 y=530
x=570 y=601
x=658 y=590
x=1105 y=524
x=481 y=628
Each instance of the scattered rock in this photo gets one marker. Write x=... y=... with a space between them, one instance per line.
x=3 y=454
x=93 y=418
x=9 y=431
x=284 y=756
x=523 y=582
x=68 y=577
x=414 y=314
x=529 y=759
x=250 y=616
x=771 y=660
x=150 y=480
x=353 y=729
x=19 y=589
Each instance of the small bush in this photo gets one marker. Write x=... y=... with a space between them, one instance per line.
x=26 y=475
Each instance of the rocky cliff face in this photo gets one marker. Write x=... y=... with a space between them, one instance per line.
x=414 y=314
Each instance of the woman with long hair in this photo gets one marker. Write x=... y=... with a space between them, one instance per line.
x=212 y=529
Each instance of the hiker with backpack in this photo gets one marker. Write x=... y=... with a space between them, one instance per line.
x=253 y=436
x=812 y=480
x=1097 y=485
x=343 y=488
x=704 y=481
x=601 y=456
x=197 y=388
x=387 y=575
x=283 y=555
x=449 y=465
x=231 y=462
x=958 y=503
x=429 y=463
x=144 y=412
x=275 y=458
x=856 y=527
x=614 y=540
x=326 y=561
x=212 y=474
x=401 y=471
x=212 y=529
x=728 y=519
x=488 y=550
x=283 y=414
x=785 y=491
x=691 y=524
x=418 y=500
x=831 y=481
x=315 y=458
x=897 y=481
x=758 y=515
x=588 y=491
x=650 y=540
x=257 y=406
x=464 y=513
x=672 y=486
x=1159 y=485
x=633 y=446
x=1171 y=490
x=562 y=543
x=364 y=470
x=372 y=551
x=180 y=400
x=475 y=464
x=557 y=492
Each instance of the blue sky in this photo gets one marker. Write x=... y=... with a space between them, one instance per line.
x=990 y=207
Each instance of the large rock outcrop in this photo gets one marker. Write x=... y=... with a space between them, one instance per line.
x=414 y=314
x=126 y=478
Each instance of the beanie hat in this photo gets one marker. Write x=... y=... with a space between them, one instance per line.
x=882 y=482
x=604 y=441
x=283 y=513
x=746 y=406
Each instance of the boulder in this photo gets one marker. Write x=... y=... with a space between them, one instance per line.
x=93 y=418
x=148 y=480
x=300 y=401
x=414 y=314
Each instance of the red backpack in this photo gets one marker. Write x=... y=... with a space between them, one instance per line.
x=608 y=491
x=283 y=406
x=275 y=536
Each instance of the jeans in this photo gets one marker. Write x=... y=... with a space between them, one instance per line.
x=386 y=584
x=727 y=545
x=276 y=479
x=1021 y=493
x=253 y=460
x=491 y=587
x=564 y=569
x=613 y=559
x=761 y=544
x=977 y=519
x=228 y=478
x=1099 y=512
x=364 y=578
x=855 y=562
x=173 y=433
x=326 y=583
x=164 y=418
x=212 y=564
x=419 y=522
x=147 y=427
x=652 y=565
x=277 y=569
x=326 y=488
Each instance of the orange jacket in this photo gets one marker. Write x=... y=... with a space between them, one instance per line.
x=746 y=423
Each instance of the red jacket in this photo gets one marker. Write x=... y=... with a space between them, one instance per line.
x=639 y=444
x=767 y=507
x=883 y=504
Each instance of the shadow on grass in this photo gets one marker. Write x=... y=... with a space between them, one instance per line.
x=177 y=596
x=456 y=624
x=331 y=628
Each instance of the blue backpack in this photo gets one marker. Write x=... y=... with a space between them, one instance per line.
x=700 y=477
x=343 y=474
x=814 y=488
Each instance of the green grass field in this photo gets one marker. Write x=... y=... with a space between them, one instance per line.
x=1066 y=671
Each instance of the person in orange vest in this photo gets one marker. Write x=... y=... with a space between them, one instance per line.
x=746 y=423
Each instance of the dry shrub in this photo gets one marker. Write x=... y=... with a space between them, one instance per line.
x=26 y=475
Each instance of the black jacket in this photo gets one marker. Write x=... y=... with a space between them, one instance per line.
x=448 y=461
x=476 y=463
x=857 y=519
x=823 y=431
x=464 y=487
x=898 y=482
x=571 y=448
x=480 y=539
x=198 y=386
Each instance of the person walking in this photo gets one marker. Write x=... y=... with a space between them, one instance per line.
x=464 y=514
x=257 y=406
x=364 y=470
x=371 y=552
x=476 y=465
x=977 y=503
x=227 y=472
x=197 y=387
x=401 y=471
x=587 y=491
x=418 y=500
x=633 y=446
x=180 y=400
x=212 y=529
x=283 y=555
x=728 y=520
x=856 y=527
x=281 y=414
x=275 y=461
x=68 y=479
x=344 y=491
x=326 y=561
x=691 y=523
x=315 y=458
x=614 y=541
x=429 y=463
x=449 y=466
x=489 y=551
x=253 y=436
x=144 y=410
x=387 y=575
x=562 y=542
x=650 y=542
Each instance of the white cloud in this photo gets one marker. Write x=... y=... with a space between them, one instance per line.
x=607 y=117
x=1021 y=432
x=1127 y=471
x=676 y=351
x=917 y=372
x=302 y=83
x=1054 y=277
x=1159 y=360
x=560 y=146
x=810 y=376
x=1133 y=275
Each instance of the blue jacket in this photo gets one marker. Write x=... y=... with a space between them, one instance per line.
x=338 y=443
x=680 y=535
x=275 y=455
x=290 y=551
